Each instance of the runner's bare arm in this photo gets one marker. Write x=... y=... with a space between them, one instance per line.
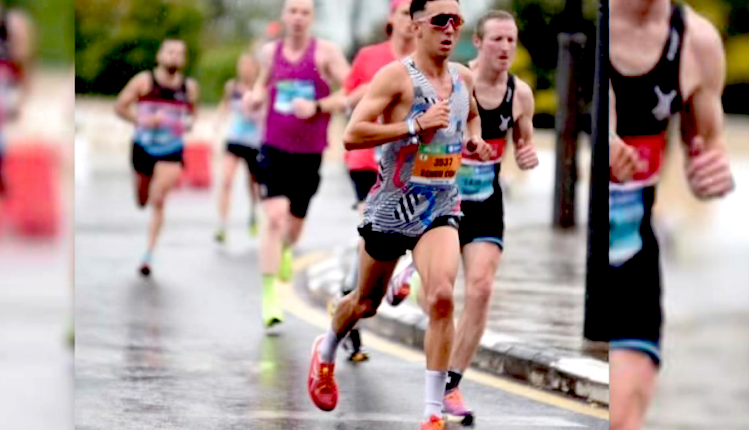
x=254 y=99
x=129 y=96
x=612 y=110
x=474 y=119
x=22 y=48
x=223 y=105
x=354 y=81
x=523 y=129
x=386 y=90
x=193 y=95
x=339 y=69
x=703 y=112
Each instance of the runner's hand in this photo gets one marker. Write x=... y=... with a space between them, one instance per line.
x=153 y=121
x=708 y=170
x=624 y=160
x=436 y=117
x=525 y=155
x=251 y=102
x=303 y=108
x=478 y=146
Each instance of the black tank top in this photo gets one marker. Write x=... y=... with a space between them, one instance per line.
x=497 y=122
x=644 y=104
x=478 y=180
x=162 y=93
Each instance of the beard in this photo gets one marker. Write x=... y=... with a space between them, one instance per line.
x=172 y=69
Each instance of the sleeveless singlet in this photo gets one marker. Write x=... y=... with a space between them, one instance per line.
x=478 y=180
x=417 y=182
x=242 y=130
x=644 y=106
x=289 y=81
x=175 y=109
x=10 y=74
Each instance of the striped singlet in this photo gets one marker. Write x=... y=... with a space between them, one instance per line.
x=416 y=181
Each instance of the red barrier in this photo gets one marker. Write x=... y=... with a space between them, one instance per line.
x=198 y=161
x=31 y=172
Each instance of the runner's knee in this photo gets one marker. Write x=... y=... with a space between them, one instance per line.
x=479 y=290
x=440 y=298
x=277 y=221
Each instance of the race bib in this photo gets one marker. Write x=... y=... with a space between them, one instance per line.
x=288 y=90
x=436 y=164
x=476 y=180
x=626 y=212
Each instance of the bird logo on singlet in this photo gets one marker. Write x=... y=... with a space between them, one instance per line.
x=663 y=109
x=505 y=123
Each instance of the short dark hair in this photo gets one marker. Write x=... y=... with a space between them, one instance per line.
x=419 y=5
x=171 y=39
x=492 y=14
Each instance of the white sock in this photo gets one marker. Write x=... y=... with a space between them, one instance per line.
x=435 y=392
x=328 y=347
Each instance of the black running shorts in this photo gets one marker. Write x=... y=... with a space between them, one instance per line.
x=635 y=286
x=483 y=221
x=248 y=154
x=144 y=163
x=391 y=246
x=294 y=176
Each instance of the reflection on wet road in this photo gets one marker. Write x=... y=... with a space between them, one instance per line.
x=186 y=351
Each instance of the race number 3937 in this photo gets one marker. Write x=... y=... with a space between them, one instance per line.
x=436 y=164
x=626 y=213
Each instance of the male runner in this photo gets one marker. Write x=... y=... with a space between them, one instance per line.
x=665 y=59
x=362 y=163
x=427 y=113
x=243 y=141
x=295 y=79
x=505 y=103
x=166 y=104
x=15 y=60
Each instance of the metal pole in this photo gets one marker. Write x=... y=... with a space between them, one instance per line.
x=596 y=304
x=571 y=49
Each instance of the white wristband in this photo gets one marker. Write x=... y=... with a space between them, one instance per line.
x=411 y=124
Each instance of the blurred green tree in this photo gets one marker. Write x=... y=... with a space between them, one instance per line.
x=116 y=39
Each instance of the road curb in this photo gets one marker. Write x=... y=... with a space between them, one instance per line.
x=580 y=377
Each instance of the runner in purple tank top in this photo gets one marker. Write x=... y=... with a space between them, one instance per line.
x=294 y=84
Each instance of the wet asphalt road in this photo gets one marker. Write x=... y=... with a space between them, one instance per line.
x=185 y=350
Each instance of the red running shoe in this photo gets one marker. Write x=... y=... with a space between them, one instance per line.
x=320 y=380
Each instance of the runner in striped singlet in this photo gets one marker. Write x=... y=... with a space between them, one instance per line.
x=428 y=116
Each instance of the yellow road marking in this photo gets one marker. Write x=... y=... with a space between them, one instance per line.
x=293 y=304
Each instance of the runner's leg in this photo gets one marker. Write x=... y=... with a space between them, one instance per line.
x=480 y=262
x=271 y=244
x=231 y=162
x=165 y=177
x=633 y=376
x=437 y=257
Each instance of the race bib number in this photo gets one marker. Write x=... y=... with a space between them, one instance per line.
x=436 y=164
x=626 y=212
x=287 y=91
x=476 y=180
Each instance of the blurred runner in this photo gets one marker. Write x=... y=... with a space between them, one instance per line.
x=426 y=108
x=505 y=103
x=166 y=106
x=242 y=142
x=665 y=59
x=363 y=163
x=295 y=79
x=16 y=41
